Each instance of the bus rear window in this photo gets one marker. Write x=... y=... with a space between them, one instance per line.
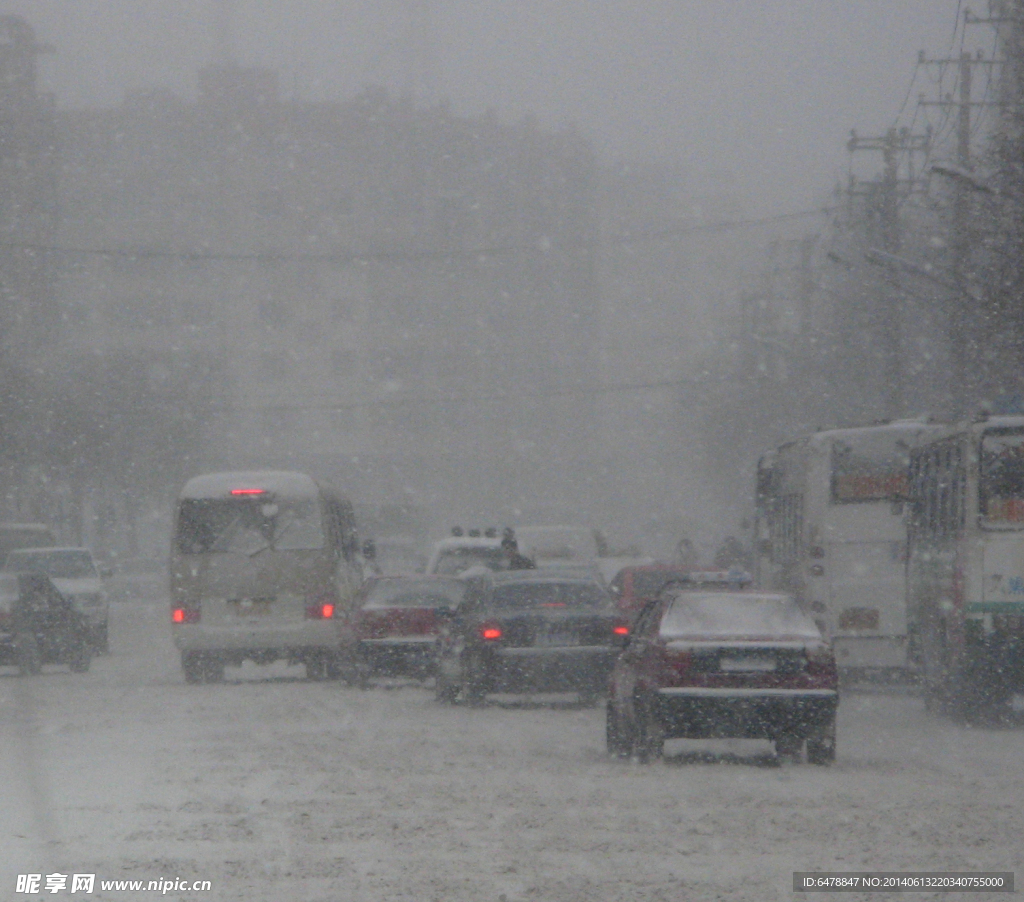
x=247 y=525
x=875 y=468
x=1001 y=484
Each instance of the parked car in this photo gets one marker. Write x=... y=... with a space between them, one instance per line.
x=397 y=622
x=701 y=664
x=528 y=631
x=38 y=625
x=75 y=574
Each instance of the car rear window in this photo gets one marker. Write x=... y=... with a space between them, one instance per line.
x=720 y=614
x=549 y=594
x=55 y=564
x=455 y=560
x=416 y=593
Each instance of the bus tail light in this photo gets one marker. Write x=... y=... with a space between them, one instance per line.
x=185 y=614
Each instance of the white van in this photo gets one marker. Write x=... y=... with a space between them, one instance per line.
x=264 y=567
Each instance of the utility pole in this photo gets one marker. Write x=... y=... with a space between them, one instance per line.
x=886 y=194
x=962 y=306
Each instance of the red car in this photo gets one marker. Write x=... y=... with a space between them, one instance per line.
x=704 y=664
x=397 y=622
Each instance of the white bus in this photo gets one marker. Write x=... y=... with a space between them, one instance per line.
x=830 y=529
x=965 y=569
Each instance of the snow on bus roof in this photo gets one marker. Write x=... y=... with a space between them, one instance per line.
x=278 y=482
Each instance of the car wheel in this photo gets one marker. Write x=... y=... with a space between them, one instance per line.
x=445 y=691
x=615 y=738
x=80 y=657
x=192 y=667
x=475 y=684
x=648 y=738
x=316 y=666
x=788 y=746
x=821 y=745
x=30 y=659
x=213 y=669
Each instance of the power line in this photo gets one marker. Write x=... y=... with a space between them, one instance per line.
x=442 y=400
x=543 y=246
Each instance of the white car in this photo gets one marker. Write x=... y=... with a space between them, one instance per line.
x=73 y=571
x=453 y=555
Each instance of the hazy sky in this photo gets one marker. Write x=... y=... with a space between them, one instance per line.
x=757 y=96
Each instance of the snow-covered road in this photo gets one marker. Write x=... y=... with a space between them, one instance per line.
x=283 y=790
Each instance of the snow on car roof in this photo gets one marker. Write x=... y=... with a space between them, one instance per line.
x=219 y=485
x=467 y=542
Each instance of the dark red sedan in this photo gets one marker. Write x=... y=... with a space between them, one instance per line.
x=397 y=622
x=710 y=664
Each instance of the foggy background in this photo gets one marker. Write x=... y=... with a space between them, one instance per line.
x=531 y=262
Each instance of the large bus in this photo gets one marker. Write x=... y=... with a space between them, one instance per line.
x=264 y=567
x=965 y=567
x=830 y=529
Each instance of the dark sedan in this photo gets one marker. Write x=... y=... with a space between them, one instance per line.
x=708 y=664
x=38 y=625
x=397 y=622
x=529 y=631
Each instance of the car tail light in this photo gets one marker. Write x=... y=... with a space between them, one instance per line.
x=185 y=614
x=320 y=607
x=490 y=632
x=620 y=630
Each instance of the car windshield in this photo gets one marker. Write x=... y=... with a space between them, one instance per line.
x=549 y=594
x=410 y=593
x=720 y=614
x=55 y=564
x=455 y=560
x=247 y=526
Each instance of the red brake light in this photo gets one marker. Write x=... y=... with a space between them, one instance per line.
x=320 y=607
x=490 y=632
x=248 y=491
x=620 y=630
x=185 y=615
